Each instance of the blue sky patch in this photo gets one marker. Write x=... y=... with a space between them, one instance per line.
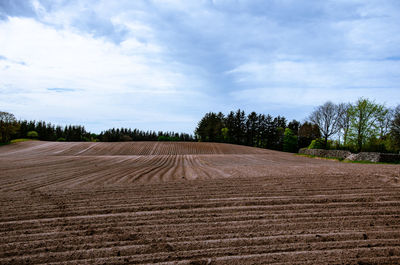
x=59 y=89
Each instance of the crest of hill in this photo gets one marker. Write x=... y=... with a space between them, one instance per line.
x=128 y=148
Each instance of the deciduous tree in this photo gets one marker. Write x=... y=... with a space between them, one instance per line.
x=364 y=116
x=289 y=141
x=327 y=117
x=8 y=126
x=307 y=133
x=395 y=129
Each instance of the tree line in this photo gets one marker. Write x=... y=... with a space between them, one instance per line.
x=257 y=130
x=360 y=126
x=11 y=129
x=48 y=132
x=125 y=134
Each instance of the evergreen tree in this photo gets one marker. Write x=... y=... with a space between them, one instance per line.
x=252 y=127
x=294 y=126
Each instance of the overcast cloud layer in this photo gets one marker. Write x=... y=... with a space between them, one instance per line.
x=164 y=64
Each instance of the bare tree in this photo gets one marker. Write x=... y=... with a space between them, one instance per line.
x=395 y=127
x=327 y=117
x=384 y=122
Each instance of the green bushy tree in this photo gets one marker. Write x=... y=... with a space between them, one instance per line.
x=364 y=117
x=289 y=141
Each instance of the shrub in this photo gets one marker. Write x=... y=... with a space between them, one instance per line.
x=61 y=139
x=317 y=144
x=32 y=135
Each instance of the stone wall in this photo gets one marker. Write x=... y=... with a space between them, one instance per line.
x=363 y=156
x=375 y=157
x=325 y=153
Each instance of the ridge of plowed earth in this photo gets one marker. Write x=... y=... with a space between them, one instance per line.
x=192 y=203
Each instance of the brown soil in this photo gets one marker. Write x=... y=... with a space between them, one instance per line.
x=192 y=203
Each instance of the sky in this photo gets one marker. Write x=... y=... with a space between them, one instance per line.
x=163 y=64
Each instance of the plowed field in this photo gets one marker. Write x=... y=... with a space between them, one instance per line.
x=192 y=203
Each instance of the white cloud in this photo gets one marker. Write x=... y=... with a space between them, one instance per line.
x=297 y=84
x=303 y=97
x=323 y=74
x=57 y=58
x=101 y=72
